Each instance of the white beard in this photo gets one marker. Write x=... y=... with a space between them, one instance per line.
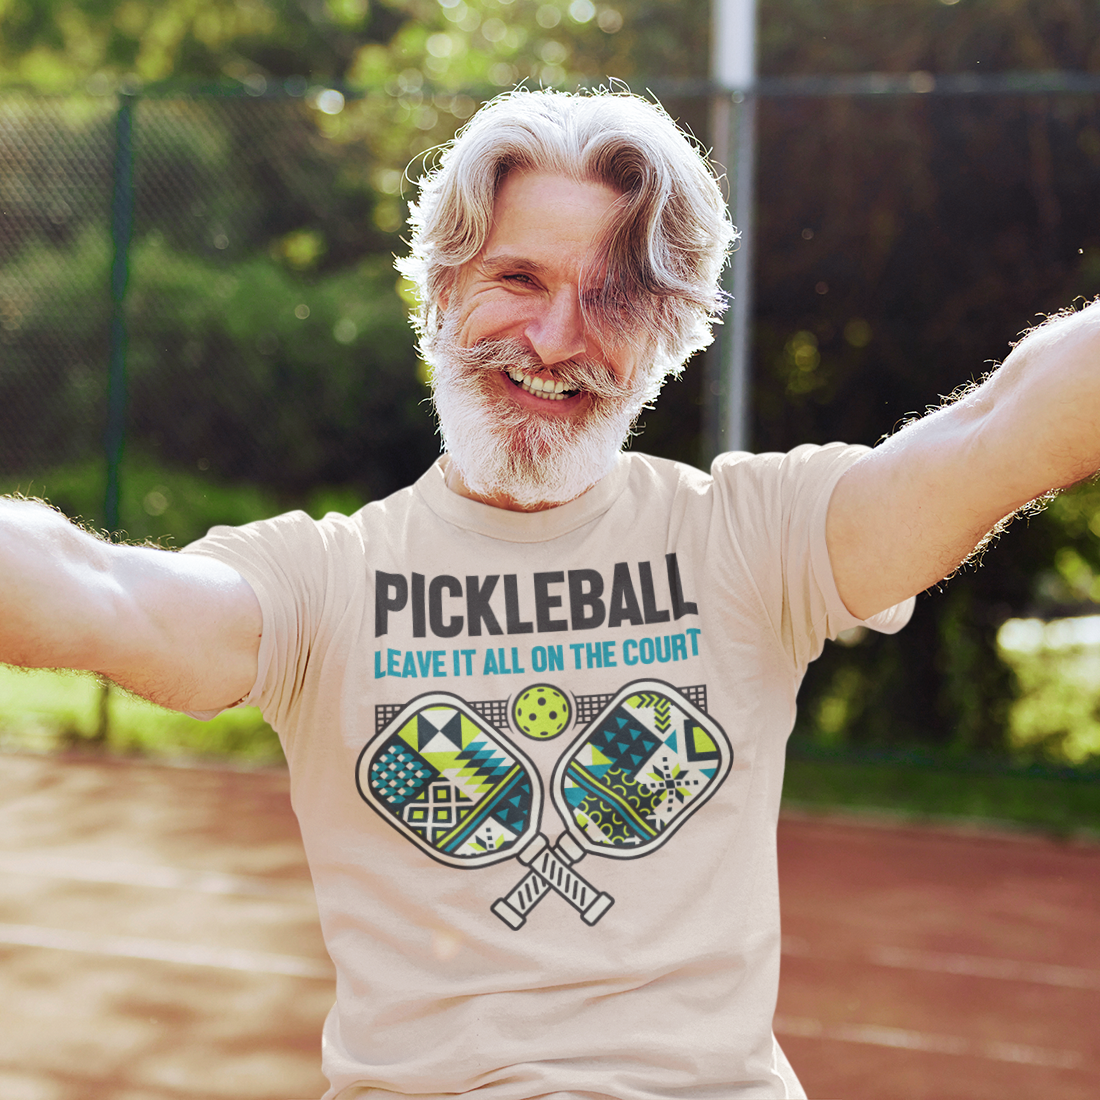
x=501 y=449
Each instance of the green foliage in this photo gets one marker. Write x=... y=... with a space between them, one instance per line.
x=1057 y=716
x=857 y=36
x=924 y=788
x=463 y=44
x=170 y=507
x=904 y=243
x=45 y=711
x=53 y=45
x=320 y=372
x=268 y=340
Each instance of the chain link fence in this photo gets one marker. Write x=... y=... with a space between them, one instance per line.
x=204 y=278
x=55 y=188
x=903 y=236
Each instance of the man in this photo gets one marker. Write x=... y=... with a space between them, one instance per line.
x=535 y=706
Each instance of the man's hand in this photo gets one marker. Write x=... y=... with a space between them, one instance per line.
x=906 y=515
x=178 y=629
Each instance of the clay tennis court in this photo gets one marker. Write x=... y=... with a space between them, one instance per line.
x=158 y=941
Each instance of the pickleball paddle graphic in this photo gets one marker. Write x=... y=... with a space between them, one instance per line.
x=635 y=774
x=639 y=771
x=453 y=785
x=446 y=780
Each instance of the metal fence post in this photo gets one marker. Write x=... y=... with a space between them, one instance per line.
x=733 y=122
x=122 y=227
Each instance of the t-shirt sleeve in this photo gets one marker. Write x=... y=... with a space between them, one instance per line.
x=285 y=561
x=776 y=506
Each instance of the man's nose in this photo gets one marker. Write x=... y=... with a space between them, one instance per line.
x=556 y=332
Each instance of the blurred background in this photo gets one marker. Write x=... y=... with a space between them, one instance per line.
x=200 y=322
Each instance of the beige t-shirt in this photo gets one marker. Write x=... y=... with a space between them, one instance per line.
x=537 y=761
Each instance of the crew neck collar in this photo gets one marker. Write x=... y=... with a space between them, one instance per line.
x=501 y=523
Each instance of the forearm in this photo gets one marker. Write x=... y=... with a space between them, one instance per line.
x=48 y=570
x=1041 y=409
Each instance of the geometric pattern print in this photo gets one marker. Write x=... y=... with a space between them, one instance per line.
x=442 y=775
x=449 y=782
x=639 y=771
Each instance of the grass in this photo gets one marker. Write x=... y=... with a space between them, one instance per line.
x=47 y=711
x=1050 y=781
x=1061 y=801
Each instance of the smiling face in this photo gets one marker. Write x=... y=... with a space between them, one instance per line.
x=534 y=405
x=541 y=257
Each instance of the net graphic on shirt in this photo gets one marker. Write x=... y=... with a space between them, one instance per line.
x=496 y=711
x=646 y=760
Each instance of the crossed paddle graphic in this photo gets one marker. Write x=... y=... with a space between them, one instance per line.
x=459 y=789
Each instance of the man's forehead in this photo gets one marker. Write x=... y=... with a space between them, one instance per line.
x=544 y=224
x=529 y=204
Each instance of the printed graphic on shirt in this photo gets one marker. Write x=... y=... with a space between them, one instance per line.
x=645 y=761
x=442 y=775
x=449 y=782
x=541 y=712
x=639 y=770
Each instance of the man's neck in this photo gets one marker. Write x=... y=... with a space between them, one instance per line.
x=455 y=482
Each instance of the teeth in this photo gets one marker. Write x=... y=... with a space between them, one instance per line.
x=551 y=388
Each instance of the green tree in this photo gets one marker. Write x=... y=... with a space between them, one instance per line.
x=902 y=244
x=939 y=36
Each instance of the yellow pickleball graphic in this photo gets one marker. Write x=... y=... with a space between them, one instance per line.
x=541 y=712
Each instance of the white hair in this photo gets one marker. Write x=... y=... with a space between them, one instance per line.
x=663 y=252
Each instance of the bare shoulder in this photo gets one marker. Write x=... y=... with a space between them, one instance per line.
x=185 y=628
x=889 y=530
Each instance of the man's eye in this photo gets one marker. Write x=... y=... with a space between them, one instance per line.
x=519 y=278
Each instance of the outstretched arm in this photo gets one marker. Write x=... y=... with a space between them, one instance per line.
x=179 y=629
x=907 y=514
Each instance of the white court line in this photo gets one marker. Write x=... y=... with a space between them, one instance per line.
x=188 y=954
x=971 y=966
x=975 y=966
x=876 y=1035
x=43 y=865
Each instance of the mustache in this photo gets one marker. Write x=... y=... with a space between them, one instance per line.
x=510 y=355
